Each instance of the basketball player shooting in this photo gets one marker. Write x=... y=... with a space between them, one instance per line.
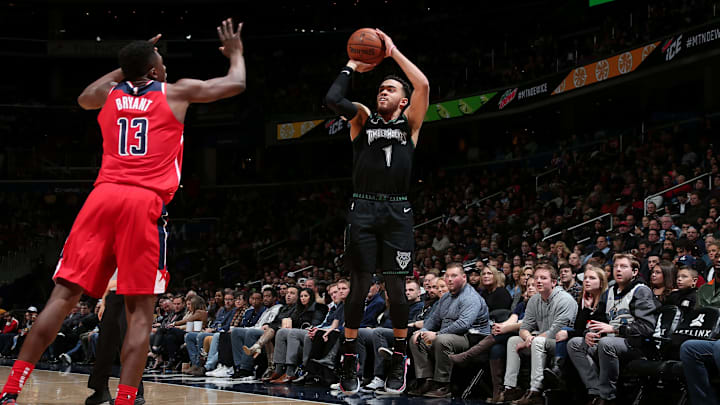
x=122 y=223
x=380 y=219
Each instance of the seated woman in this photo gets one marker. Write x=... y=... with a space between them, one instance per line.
x=513 y=285
x=662 y=279
x=527 y=272
x=175 y=335
x=594 y=285
x=442 y=287
x=496 y=343
x=493 y=289
x=309 y=313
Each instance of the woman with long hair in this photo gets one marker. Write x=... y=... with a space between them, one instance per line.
x=527 y=273
x=595 y=284
x=514 y=286
x=175 y=337
x=662 y=278
x=493 y=291
x=560 y=251
x=308 y=314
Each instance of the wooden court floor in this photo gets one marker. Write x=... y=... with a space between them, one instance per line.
x=53 y=387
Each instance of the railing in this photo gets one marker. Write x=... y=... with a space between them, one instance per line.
x=647 y=199
x=474 y=203
x=249 y=284
x=266 y=248
x=477 y=202
x=537 y=178
x=580 y=225
x=430 y=221
x=227 y=266
x=188 y=278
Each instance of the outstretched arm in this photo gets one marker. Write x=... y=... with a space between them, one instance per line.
x=94 y=95
x=420 y=99
x=205 y=91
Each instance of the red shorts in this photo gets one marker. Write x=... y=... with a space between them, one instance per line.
x=119 y=227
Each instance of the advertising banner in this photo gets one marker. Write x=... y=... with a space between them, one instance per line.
x=457 y=108
x=692 y=42
x=605 y=69
x=312 y=129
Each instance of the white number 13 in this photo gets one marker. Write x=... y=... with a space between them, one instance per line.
x=388 y=155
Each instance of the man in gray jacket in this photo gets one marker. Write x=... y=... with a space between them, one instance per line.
x=459 y=313
x=630 y=307
x=547 y=312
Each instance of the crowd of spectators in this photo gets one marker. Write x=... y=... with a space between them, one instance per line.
x=258 y=279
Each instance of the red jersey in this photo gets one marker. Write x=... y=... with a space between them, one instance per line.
x=142 y=139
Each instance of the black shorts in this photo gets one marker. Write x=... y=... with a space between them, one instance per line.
x=379 y=236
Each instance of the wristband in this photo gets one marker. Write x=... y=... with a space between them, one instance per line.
x=347 y=70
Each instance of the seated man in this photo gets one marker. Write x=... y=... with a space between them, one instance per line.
x=253 y=348
x=460 y=311
x=217 y=368
x=631 y=309
x=194 y=340
x=700 y=358
x=300 y=340
x=324 y=341
x=383 y=335
x=548 y=311
x=243 y=363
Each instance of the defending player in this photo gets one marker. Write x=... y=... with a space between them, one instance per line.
x=380 y=221
x=122 y=223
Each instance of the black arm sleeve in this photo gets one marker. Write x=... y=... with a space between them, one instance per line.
x=335 y=98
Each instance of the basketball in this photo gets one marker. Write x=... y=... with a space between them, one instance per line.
x=366 y=46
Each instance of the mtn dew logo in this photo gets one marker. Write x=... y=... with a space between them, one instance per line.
x=507 y=98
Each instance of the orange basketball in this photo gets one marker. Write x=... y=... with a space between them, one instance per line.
x=366 y=46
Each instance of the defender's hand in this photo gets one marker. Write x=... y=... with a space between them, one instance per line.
x=231 y=42
x=155 y=39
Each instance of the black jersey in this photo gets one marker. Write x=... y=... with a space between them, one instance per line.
x=382 y=156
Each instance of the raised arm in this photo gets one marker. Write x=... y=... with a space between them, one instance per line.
x=233 y=83
x=420 y=99
x=336 y=97
x=95 y=94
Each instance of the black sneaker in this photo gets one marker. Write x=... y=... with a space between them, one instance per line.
x=8 y=399
x=349 y=381
x=395 y=381
x=99 y=397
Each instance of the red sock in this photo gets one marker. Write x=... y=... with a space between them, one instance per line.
x=125 y=395
x=20 y=372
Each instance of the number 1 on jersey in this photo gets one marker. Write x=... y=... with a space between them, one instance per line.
x=140 y=148
x=388 y=155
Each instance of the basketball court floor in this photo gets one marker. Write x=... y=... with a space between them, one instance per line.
x=53 y=384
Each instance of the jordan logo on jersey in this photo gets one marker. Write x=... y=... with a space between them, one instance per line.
x=374 y=134
x=403 y=259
